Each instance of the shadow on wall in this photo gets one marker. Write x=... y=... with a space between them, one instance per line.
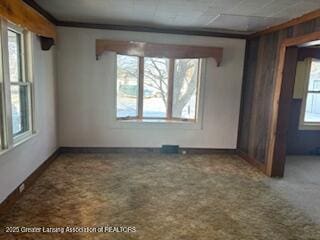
x=301 y=142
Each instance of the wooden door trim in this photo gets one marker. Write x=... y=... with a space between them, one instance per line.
x=289 y=42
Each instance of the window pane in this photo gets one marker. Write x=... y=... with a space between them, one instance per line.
x=185 y=84
x=14 y=47
x=314 y=78
x=155 y=88
x=20 y=112
x=312 y=108
x=127 y=86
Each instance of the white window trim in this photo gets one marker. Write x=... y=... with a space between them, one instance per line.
x=303 y=125
x=161 y=123
x=7 y=114
x=8 y=140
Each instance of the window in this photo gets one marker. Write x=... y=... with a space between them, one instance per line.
x=311 y=101
x=185 y=88
x=157 y=88
x=19 y=86
x=16 y=87
x=127 y=86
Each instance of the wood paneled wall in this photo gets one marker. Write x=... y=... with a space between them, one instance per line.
x=258 y=88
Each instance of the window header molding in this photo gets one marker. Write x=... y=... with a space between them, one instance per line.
x=144 y=49
x=19 y=13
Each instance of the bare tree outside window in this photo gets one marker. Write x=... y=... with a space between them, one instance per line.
x=155 y=91
x=156 y=87
x=185 y=83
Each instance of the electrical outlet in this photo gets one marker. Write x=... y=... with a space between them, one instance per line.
x=21 y=187
x=184 y=152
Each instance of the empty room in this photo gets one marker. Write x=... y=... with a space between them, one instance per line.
x=160 y=119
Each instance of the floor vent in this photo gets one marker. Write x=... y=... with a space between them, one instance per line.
x=170 y=149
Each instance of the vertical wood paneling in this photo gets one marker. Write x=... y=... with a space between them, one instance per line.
x=258 y=88
x=262 y=96
x=247 y=90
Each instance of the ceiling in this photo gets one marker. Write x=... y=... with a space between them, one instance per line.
x=236 y=15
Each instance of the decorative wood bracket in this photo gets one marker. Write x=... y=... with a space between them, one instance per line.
x=143 y=49
x=46 y=43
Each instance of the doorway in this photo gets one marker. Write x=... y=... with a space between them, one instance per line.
x=290 y=52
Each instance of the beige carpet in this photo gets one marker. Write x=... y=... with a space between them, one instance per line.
x=167 y=197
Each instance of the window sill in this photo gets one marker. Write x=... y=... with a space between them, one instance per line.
x=18 y=143
x=310 y=127
x=157 y=124
x=156 y=121
x=23 y=138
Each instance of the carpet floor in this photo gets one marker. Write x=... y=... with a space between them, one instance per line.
x=154 y=197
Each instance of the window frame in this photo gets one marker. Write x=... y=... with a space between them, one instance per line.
x=24 y=82
x=304 y=125
x=8 y=140
x=169 y=108
x=138 y=82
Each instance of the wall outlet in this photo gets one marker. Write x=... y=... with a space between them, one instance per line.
x=21 y=187
x=184 y=152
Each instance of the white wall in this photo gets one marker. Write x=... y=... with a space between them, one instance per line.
x=86 y=95
x=18 y=163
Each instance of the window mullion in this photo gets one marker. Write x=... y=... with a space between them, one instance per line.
x=140 y=94
x=20 y=83
x=28 y=64
x=170 y=89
